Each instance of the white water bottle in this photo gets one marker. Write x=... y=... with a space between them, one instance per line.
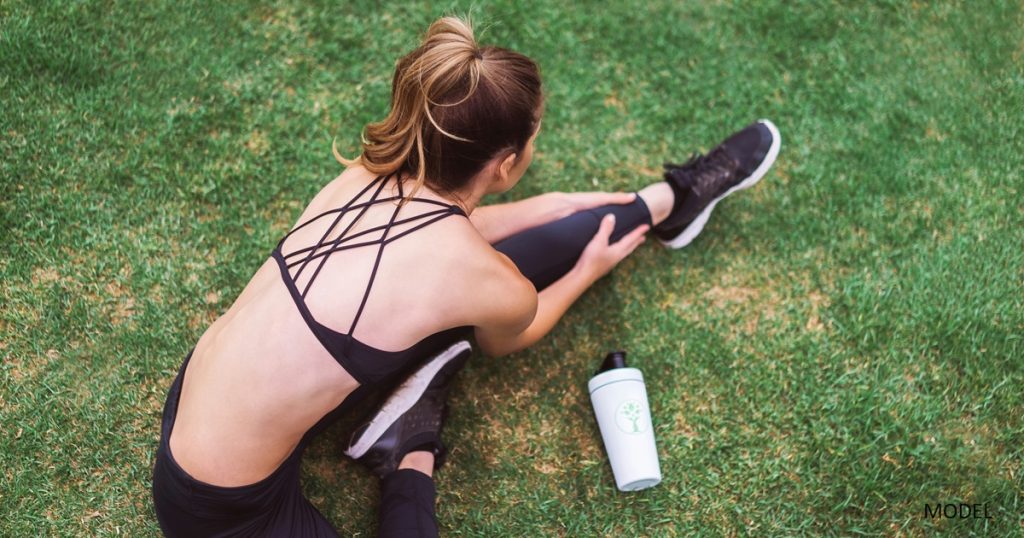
x=624 y=417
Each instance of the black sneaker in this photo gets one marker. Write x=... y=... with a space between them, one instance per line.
x=411 y=417
x=699 y=184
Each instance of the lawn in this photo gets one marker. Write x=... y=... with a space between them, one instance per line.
x=843 y=345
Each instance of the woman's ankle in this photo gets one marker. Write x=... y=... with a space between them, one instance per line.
x=418 y=460
x=659 y=198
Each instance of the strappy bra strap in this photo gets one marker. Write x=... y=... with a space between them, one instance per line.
x=341 y=214
x=320 y=264
x=376 y=264
x=440 y=215
x=342 y=209
x=323 y=248
x=344 y=243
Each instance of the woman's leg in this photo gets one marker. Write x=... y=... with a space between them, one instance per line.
x=545 y=253
x=403 y=450
x=407 y=499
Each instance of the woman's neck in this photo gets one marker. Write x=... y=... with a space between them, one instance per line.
x=468 y=198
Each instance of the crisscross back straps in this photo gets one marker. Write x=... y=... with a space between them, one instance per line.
x=322 y=249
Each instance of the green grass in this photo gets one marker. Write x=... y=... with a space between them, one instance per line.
x=842 y=345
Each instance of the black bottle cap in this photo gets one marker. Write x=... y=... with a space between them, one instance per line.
x=615 y=359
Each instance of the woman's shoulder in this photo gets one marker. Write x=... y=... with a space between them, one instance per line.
x=333 y=193
x=497 y=273
x=501 y=296
x=349 y=181
x=471 y=258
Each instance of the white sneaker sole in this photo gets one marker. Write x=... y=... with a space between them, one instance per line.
x=400 y=401
x=693 y=230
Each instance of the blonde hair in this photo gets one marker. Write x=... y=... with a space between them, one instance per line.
x=454 y=106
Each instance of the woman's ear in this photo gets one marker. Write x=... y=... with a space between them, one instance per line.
x=505 y=168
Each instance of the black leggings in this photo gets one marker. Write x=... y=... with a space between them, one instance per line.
x=275 y=505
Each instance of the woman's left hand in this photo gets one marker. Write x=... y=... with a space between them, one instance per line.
x=567 y=203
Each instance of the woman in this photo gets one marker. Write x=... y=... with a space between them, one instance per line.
x=387 y=272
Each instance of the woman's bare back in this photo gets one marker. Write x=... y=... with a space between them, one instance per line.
x=259 y=378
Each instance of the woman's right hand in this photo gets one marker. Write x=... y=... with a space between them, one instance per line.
x=599 y=257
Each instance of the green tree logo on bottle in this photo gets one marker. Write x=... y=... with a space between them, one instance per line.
x=629 y=417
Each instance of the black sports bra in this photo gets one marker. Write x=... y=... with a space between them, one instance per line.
x=367 y=364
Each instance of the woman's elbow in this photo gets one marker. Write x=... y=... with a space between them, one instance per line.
x=500 y=347
x=494 y=349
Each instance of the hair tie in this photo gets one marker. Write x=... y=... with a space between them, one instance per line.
x=478 y=54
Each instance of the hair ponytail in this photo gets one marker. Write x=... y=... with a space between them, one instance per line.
x=454 y=107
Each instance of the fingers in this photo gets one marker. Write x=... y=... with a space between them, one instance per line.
x=633 y=247
x=628 y=248
x=603 y=234
x=601 y=256
x=604 y=231
x=619 y=197
x=588 y=200
x=632 y=240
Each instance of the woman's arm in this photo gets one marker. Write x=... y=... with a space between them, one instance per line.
x=552 y=304
x=496 y=222
x=553 y=301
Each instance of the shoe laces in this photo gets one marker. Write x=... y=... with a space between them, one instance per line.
x=703 y=174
